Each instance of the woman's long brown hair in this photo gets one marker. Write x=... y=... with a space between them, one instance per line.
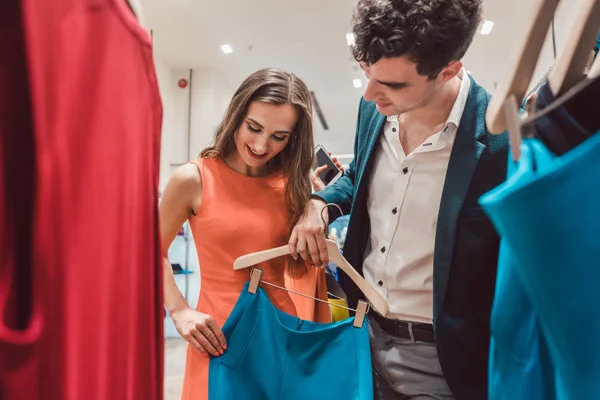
x=275 y=86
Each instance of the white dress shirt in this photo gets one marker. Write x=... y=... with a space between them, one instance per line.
x=403 y=202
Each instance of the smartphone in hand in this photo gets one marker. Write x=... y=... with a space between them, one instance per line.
x=332 y=173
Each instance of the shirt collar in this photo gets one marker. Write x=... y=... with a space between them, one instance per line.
x=461 y=100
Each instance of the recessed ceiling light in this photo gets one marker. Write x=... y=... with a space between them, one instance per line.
x=226 y=49
x=350 y=39
x=486 y=27
x=357 y=83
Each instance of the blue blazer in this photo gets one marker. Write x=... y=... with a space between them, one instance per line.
x=466 y=245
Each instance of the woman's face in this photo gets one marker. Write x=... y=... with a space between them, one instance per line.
x=265 y=132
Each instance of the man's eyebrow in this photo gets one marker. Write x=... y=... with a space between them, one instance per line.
x=395 y=85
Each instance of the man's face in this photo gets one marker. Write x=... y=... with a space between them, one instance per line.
x=396 y=86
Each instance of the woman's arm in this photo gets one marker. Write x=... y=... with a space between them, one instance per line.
x=181 y=197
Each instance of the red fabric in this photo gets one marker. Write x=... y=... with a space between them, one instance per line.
x=96 y=275
x=19 y=325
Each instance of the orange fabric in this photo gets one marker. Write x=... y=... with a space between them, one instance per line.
x=312 y=283
x=238 y=215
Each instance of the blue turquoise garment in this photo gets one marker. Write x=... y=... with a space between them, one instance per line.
x=518 y=351
x=340 y=223
x=272 y=355
x=548 y=214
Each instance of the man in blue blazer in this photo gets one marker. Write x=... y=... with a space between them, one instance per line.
x=422 y=158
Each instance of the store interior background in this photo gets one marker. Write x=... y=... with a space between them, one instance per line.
x=308 y=38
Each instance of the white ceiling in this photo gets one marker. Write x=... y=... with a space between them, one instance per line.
x=308 y=37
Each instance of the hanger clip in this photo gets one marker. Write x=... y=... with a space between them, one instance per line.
x=255 y=278
x=361 y=311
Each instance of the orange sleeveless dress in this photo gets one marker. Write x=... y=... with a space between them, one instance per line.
x=238 y=215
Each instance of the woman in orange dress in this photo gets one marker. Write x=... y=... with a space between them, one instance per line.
x=242 y=195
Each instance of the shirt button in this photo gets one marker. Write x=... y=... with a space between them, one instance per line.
x=393 y=129
x=380 y=283
x=405 y=170
x=383 y=249
x=395 y=211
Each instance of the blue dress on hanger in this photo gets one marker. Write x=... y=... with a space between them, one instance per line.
x=546 y=322
x=520 y=367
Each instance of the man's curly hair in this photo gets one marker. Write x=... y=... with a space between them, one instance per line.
x=432 y=33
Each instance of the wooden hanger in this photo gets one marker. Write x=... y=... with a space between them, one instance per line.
x=520 y=72
x=571 y=64
x=594 y=71
x=376 y=300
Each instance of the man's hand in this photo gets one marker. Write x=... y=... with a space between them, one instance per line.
x=308 y=236
x=315 y=179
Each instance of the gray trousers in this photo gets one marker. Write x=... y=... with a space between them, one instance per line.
x=403 y=370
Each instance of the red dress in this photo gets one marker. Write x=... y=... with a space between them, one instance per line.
x=18 y=330
x=96 y=273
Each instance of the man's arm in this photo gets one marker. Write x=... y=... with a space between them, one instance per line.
x=308 y=236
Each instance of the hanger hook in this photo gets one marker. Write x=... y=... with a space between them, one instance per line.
x=323 y=219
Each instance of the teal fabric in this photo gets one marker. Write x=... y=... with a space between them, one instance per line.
x=272 y=355
x=520 y=366
x=548 y=216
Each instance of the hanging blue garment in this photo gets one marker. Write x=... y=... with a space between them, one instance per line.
x=272 y=355
x=548 y=214
x=518 y=352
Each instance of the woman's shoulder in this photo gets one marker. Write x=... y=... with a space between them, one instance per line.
x=187 y=177
x=198 y=168
x=184 y=188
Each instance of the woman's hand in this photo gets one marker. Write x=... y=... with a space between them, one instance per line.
x=317 y=183
x=200 y=330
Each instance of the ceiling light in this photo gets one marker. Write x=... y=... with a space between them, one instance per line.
x=486 y=27
x=350 y=39
x=357 y=83
x=226 y=49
